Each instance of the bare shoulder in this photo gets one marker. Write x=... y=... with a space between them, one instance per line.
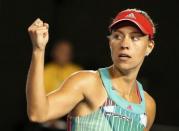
x=83 y=78
x=150 y=110
x=73 y=91
x=84 y=75
x=149 y=100
x=88 y=82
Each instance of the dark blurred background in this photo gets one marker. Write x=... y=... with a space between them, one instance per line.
x=85 y=23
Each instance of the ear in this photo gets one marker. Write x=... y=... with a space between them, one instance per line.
x=150 y=47
x=109 y=40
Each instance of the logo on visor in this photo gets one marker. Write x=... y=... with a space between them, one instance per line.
x=131 y=15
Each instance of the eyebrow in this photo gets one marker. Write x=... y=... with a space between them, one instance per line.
x=118 y=31
x=138 y=33
x=133 y=32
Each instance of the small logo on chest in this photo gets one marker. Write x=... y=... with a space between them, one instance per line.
x=129 y=107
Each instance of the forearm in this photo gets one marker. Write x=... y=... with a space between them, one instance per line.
x=37 y=104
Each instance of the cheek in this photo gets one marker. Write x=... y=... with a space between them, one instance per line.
x=114 y=51
x=141 y=47
x=140 y=51
x=113 y=48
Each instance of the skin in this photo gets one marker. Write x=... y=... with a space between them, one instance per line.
x=79 y=94
x=61 y=54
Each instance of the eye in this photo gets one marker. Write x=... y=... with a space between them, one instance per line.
x=135 y=38
x=117 y=36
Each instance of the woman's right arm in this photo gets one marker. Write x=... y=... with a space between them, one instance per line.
x=42 y=107
x=35 y=91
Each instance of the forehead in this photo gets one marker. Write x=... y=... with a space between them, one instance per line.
x=128 y=27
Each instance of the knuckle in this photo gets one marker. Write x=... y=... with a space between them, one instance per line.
x=32 y=30
x=37 y=32
x=29 y=29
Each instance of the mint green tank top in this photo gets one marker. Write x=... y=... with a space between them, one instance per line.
x=116 y=114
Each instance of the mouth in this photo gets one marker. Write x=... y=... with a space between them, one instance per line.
x=124 y=56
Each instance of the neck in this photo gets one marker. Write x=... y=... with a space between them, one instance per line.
x=124 y=81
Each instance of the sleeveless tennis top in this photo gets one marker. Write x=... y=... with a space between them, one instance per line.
x=116 y=114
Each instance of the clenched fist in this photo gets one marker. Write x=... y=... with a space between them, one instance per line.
x=38 y=32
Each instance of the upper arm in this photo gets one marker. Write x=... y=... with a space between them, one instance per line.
x=64 y=99
x=150 y=111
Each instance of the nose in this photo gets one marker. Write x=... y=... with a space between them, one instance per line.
x=125 y=44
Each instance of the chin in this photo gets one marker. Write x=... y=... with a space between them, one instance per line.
x=125 y=67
